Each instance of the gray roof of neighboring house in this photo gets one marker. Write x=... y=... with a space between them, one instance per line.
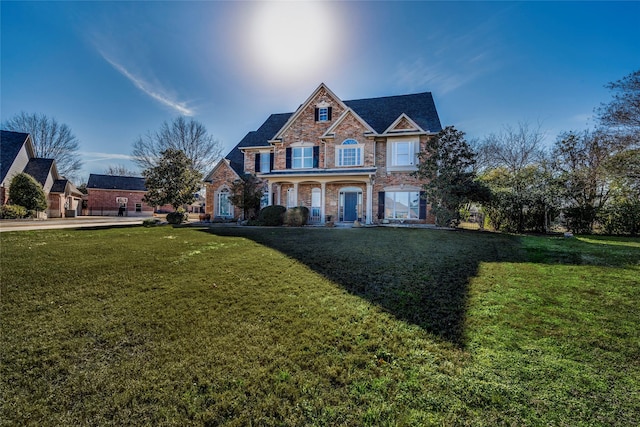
x=39 y=169
x=10 y=145
x=379 y=113
x=115 y=182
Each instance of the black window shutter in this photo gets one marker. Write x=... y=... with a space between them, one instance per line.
x=423 y=205
x=257 y=163
x=329 y=113
x=270 y=162
x=288 y=158
x=381 y=205
x=316 y=156
x=316 y=114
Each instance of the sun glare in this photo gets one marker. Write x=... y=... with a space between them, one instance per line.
x=289 y=40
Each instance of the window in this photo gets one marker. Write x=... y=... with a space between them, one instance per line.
x=291 y=198
x=402 y=205
x=302 y=157
x=224 y=204
x=265 y=162
x=138 y=207
x=264 y=200
x=402 y=154
x=349 y=154
x=323 y=114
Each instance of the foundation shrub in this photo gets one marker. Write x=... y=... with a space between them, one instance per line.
x=272 y=215
x=296 y=217
x=12 y=212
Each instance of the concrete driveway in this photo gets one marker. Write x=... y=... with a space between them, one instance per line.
x=78 y=222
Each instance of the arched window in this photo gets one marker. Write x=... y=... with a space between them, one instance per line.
x=349 y=153
x=225 y=209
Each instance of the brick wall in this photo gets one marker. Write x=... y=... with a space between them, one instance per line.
x=103 y=202
x=222 y=177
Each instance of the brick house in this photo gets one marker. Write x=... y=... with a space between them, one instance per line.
x=117 y=195
x=17 y=155
x=344 y=160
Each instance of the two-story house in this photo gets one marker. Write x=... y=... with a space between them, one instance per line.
x=344 y=160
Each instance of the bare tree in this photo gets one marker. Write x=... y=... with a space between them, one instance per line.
x=624 y=110
x=120 y=170
x=188 y=136
x=51 y=140
x=513 y=148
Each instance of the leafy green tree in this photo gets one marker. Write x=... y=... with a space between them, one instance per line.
x=584 y=164
x=27 y=192
x=447 y=164
x=172 y=181
x=246 y=194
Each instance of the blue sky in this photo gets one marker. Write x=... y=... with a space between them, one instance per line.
x=115 y=70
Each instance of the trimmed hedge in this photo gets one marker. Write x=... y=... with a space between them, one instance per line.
x=177 y=217
x=272 y=215
x=296 y=217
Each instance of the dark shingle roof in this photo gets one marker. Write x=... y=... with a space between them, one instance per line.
x=380 y=113
x=257 y=138
x=58 y=186
x=114 y=182
x=10 y=145
x=39 y=169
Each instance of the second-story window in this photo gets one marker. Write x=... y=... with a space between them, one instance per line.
x=265 y=162
x=302 y=157
x=323 y=114
x=349 y=153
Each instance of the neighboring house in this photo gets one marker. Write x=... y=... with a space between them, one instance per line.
x=116 y=195
x=344 y=160
x=17 y=155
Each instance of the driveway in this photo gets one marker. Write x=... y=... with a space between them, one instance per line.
x=78 y=222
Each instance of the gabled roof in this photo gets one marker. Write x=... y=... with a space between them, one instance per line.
x=115 y=182
x=40 y=169
x=330 y=133
x=10 y=145
x=258 y=138
x=61 y=186
x=218 y=165
x=304 y=105
x=380 y=113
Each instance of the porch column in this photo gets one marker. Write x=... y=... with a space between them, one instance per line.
x=323 y=200
x=295 y=194
x=269 y=194
x=369 y=203
x=278 y=193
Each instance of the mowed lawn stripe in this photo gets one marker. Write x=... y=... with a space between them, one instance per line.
x=251 y=326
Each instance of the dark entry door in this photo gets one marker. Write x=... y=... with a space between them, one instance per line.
x=350 y=206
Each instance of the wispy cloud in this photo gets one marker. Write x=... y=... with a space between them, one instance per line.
x=93 y=156
x=148 y=88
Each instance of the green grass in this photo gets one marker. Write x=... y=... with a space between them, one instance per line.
x=268 y=326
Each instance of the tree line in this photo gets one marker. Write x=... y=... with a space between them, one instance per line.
x=587 y=181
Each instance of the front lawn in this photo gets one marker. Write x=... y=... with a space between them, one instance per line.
x=282 y=326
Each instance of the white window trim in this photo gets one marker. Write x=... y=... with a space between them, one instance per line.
x=391 y=154
x=219 y=204
x=339 y=154
x=303 y=157
x=264 y=154
x=394 y=213
x=323 y=114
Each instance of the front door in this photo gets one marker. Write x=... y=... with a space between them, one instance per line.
x=350 y=206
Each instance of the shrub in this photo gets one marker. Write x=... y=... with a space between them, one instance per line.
x=26 y=191
x=272 y=215
x=150 y=222
x=177 y=217
x=296 y=217
x=12 y=212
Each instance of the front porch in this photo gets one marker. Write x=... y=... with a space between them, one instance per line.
x=341 y=197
